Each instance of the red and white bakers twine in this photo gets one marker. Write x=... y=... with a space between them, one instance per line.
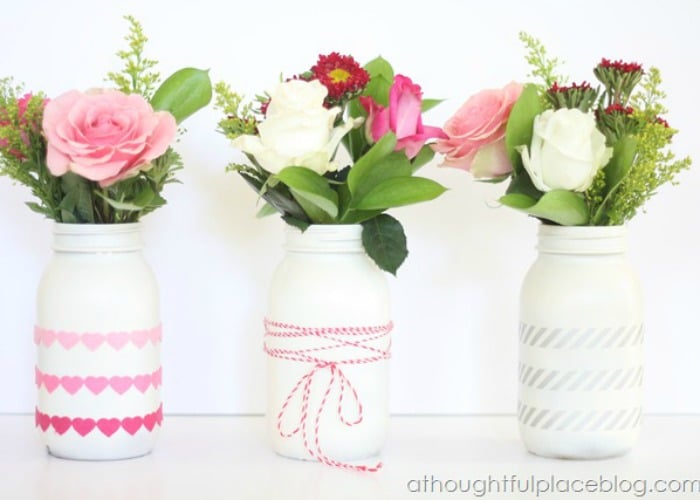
x=358 y=339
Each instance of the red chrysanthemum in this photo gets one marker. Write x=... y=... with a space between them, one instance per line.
x=340 y=74
x=619 y=109
x=661 y=121
x=566 y=88
x=620 y=65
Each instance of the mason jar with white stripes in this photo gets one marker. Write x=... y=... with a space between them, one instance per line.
x=581 y=360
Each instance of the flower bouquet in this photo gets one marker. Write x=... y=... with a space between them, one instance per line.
x=573 y=154
x=103 y=155
x=582 y=159
x=97 y=161
x=328 y=323
x=292 y=134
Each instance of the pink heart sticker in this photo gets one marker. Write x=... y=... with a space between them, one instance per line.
x=37 y=335
x=68 y=339
x=132 y=425
x=149 y=421
x=47 y=337
x=142 y=382
x=159 y=415
x=108 y=426
x=51 y=382
x=96 y=384
x=139 y=338
x=71 y=384
x=44 y=421
x=157 y=377
x=83 y=426
x=60 y=424
x=92 y=340
x=38 y=377
x=118 y=339
x=157 y=334
x=120 y=384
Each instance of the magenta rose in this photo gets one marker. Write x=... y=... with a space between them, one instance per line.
x=476 y=133
x=104 y=135
x=403 y=117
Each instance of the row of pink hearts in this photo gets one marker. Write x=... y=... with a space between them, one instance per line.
x=98 y=384
x=93 y=341
x=106 y=426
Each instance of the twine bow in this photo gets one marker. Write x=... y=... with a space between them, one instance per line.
x=357 y=338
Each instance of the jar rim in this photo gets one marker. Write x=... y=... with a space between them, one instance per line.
x=97 y=238
x=108 y=228
x=325 y=238
x=582 y=240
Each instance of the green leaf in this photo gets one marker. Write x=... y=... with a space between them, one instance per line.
x=266 y=210
x=429 y=104
x=624 y=153
x=561 y=207
x=424 y=156
x=183 y=93
x=298 y=223
x=518 y=201
x=522 y=183
x=311 y=191
x=359 y=216
x=400 y=191
x=619 y=165
x=79 y=199
x=385 y=242
x=35 y=207
x=519 y=126
x=363 y=167
x=67 y=217
x=120 y=205
x=395 y=164
x=381 y=79
x=313 y=212
x=277 y=196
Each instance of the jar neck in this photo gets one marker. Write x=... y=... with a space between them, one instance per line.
x=97 y=238
x=325 y=238
x=582 y=240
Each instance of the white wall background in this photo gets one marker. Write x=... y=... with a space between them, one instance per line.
x=455 y=301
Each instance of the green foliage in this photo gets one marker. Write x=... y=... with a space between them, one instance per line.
x=400 y=191
x=239 y=119
x=312 y=192
x=543 y=66
x=642 y=163
x=385 y=242
x=582 y=97
x=609 y=179
x=23 y=149
x=654 y=165
x=136 y=76
x=183 y=93
x=560 y=207
x=519 y=126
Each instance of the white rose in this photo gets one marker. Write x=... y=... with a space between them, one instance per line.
x=567 y=150
x=297 y=131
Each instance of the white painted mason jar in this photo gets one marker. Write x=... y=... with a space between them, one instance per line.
x=98 y=335
x=581 y=360
x=327 y=339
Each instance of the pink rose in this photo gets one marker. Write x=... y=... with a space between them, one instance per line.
x=403 y=117
x=476 y=133
x=104 y=135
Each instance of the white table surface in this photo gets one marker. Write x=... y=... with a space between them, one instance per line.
x=211 y=458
